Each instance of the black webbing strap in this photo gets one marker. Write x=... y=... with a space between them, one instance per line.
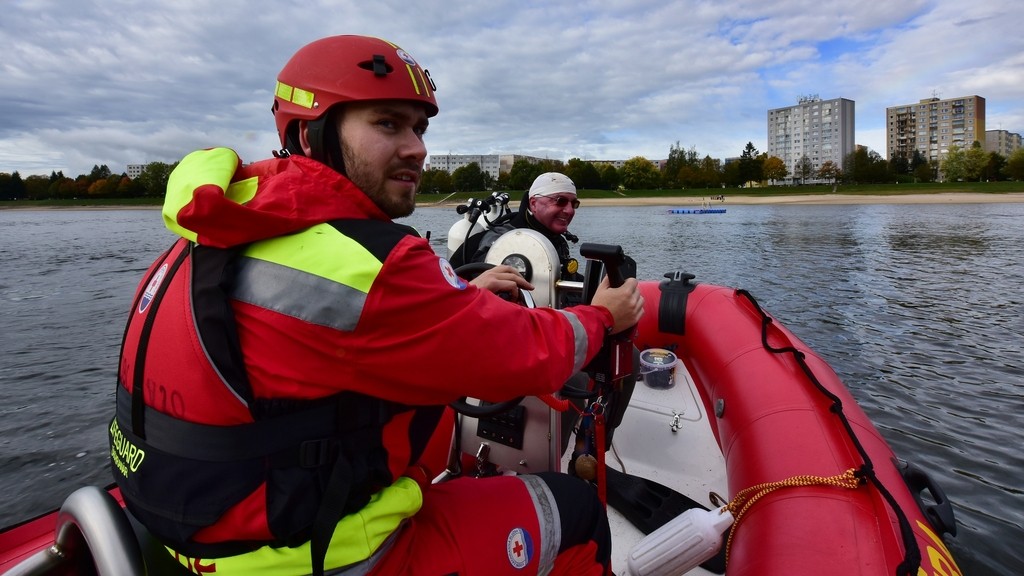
x=212 y=279
x=330 y=512
x=138 y=377
x=232 y=443
x=342 y=495
x=135 y=304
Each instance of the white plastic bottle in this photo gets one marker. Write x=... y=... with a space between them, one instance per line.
x=680 y=545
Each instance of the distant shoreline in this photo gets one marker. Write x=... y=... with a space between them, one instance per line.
x=685 y=201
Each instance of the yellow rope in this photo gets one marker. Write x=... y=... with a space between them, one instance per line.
x=744 y=500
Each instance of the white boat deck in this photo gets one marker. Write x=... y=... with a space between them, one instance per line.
x=645 y=444
x=664 y=437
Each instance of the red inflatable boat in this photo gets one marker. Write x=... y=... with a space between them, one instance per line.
x=732 y=412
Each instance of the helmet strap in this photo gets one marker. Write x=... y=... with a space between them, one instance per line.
x=292 y=145
x=325 y=142
x=315 y=137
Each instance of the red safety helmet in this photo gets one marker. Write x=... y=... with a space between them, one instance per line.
x=343 y=69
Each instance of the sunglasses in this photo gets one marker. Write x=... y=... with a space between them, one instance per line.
x=561 y=201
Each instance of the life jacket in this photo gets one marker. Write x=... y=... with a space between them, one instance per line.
x=179 y=476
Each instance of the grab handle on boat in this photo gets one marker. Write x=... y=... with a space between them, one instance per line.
x=672 y=305
x=940 y=514
x=90 y=524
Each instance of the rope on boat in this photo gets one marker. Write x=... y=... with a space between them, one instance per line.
x=911 y=551
x=745 y=498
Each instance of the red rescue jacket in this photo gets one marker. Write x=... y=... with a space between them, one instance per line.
x=296 y=333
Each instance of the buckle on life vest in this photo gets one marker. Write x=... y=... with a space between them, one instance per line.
x=315 y=453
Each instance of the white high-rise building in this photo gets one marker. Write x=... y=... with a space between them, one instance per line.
x=489 y=163
x=819 y=130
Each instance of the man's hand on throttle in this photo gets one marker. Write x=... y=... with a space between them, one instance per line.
x=502 y=279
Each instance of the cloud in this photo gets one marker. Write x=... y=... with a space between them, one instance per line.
x=114 y=82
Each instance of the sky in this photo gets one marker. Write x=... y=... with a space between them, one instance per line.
x=116 y=82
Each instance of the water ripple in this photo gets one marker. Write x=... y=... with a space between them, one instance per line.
x=918 y=309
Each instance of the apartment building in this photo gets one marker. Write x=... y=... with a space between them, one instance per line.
x=1002 y=142
x=489 y=163
x=816 y=129
x=932 y=125
x=493 y=164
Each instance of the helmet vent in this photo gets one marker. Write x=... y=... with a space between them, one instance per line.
x=378 y=66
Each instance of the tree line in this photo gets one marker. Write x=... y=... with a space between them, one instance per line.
x=683 y=169
x=100 y=183
x=688 y=169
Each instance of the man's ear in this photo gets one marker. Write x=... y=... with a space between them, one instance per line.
x=304 y=138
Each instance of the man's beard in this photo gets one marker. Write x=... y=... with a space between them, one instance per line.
x=373 y=183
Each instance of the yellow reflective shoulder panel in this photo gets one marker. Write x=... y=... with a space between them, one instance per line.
x=215 y=166
x=242 y=191
x=322 y=251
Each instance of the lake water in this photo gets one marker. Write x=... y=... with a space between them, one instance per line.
x=919 y=308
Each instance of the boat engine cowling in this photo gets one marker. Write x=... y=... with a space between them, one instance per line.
x=534 y=256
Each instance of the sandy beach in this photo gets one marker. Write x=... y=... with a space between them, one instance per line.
x=838 y=199
x=834 y=199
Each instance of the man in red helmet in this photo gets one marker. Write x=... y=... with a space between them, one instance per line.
x=281 y=405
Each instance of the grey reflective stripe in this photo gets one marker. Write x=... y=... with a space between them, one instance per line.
x=363 y=568
x=580 y=340
x=298 y=294
x=548 y=519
